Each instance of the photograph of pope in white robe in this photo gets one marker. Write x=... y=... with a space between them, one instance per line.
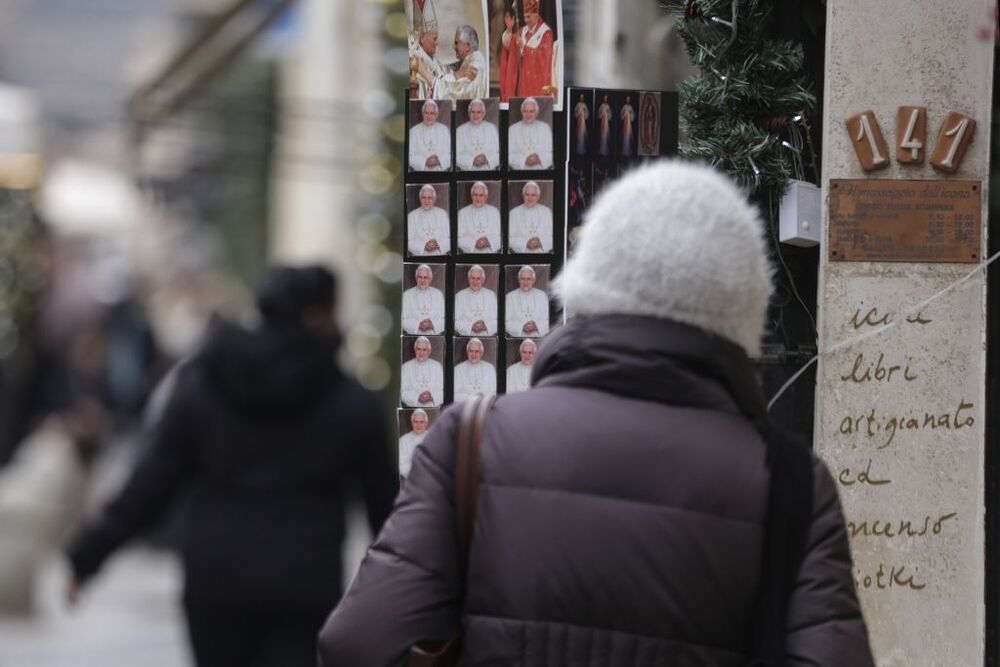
x=477 y=141
x=476 y=304
x=413 y=425
x=479 y=221
x=529 y=140
x=423 y=303
x=468 y=76
x=421 y=383
x=430 y=136
x=427 y=231
x=527 y=307
x=475 y=375
x=519 y=372
x=530 y=221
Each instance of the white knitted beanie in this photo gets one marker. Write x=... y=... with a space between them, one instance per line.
x=674 y=240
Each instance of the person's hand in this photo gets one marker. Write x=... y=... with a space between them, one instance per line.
x=508 y=21
x=482 y=243
x=424 y=71
x=432 y=161
x=431 y=246
x=533 y=160
x=426 y=325
x=73 y=588
x=479 y=161
x=425 y=397
x=529 y=327
x=534 y=243
x=479 y=327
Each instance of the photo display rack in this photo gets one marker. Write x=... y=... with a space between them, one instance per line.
x=580 y=167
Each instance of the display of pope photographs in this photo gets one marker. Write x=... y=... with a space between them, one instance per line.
x=526 y=48
x=449 y=52
x=477 y=134
x=529 y=133
x=475 y=292
x=475 y=363
x=526 y=304
x=423 y=299
x=421 y=382
x=520 y=362
x=429 y=138
x=413 y=425
x=479 y=217
x=428 y=232
x=580 y=122
x=529 y=217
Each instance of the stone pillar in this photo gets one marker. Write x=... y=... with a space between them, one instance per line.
x=900 y=413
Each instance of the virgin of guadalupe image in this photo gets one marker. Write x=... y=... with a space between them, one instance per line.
x=628 y=120
x=649 y=125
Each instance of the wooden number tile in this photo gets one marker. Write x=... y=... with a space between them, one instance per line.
x=911 y=134
x=868 y=142
x=952 y=142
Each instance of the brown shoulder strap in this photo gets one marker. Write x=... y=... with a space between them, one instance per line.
x=470 y=431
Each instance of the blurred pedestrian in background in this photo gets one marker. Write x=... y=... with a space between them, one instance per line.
x=269 y=435
x=630 y=511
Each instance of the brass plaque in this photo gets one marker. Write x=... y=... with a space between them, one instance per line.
x=879 y=220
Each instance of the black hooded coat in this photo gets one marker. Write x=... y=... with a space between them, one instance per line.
x=269 y=436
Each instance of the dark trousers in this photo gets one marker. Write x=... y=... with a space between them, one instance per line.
x=223 y=636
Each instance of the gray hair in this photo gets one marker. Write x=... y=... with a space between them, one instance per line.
x=423 y=267
x=422 y=339
x=478 y=102
x=527 y=101
x=418 y=411
x=430 y=187
x=430 y=103
x=479 y=184
x=529 y=184
x=468 y=35
x=526 y=269
x=476 y=267
x=527 y=341
x=477 y=342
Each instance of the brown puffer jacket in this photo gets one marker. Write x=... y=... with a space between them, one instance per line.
x=620 y=521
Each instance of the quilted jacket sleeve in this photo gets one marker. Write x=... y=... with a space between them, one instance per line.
x=825 y=624
x=407 y=589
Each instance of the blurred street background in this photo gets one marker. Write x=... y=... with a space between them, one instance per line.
x=155 y=157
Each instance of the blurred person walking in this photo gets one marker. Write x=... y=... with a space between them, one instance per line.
x=633 y=507
x=269 y=435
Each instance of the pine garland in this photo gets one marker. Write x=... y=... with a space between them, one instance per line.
x=738 y=112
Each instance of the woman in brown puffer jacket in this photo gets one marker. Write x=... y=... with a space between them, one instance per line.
x=623 y=500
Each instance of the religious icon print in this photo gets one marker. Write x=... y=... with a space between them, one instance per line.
x=421 y=383
x=649 y=123
x=527 y=312
x=627 y=125
x=605 y=124
x=429 y=137
x=579 y=195
x=529 y=134
x=423 y=305
x=479 y=219
x=581 y=121
x=527 y=48
x=476 y=303
x=529 y=217
x=448 y=49
x=477 y=135
x=428 y=227
x=475 y=364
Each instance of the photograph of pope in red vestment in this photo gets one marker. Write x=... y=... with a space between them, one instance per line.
x=530 y=62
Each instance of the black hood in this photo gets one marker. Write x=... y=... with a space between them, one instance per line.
x=269 y=371
x=652 y=359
